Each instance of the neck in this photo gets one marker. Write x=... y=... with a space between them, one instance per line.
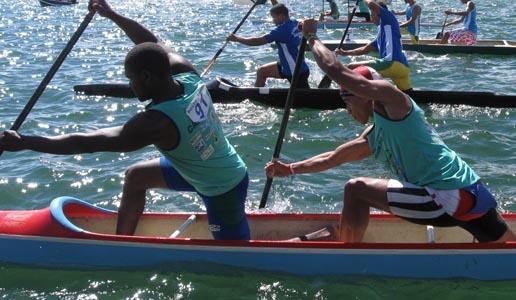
x=168 y=90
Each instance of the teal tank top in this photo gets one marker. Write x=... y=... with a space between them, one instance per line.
x=412 y=150
x=204 y=157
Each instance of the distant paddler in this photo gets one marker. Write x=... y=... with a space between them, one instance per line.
x=392 y=62
x=288 y=38
x=413 y=20
x=333 y=12
x=431 y=184
x=468 y=33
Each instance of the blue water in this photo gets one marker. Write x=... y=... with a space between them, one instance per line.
x=31 y=37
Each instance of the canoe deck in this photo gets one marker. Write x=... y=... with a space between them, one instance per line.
x=383 y=228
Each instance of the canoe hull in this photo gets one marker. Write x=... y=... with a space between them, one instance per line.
x=64 y=242
x=224 y=92
x=413 y=263
x=432 y=47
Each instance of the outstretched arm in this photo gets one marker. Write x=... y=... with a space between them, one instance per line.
x=142 y=130
x=394 y=100
x=353 y=150
x=470 y=7
x=357 y=51
x=253 y=41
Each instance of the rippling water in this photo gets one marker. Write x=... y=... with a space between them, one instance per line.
x=31 y=37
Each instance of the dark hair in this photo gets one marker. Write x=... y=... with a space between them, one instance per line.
x=279 y=9
x=150 y=57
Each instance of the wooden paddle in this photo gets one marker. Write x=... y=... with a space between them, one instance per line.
x=326 y=81
x=53 y=70
x=286 y=114
x=212 y=61
x=439 y=35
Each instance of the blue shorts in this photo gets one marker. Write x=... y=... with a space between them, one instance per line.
x=226 y=213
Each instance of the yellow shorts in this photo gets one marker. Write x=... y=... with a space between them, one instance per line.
x=397 y=72
x=413 y=38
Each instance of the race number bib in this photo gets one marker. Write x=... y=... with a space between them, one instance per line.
x=199 y=108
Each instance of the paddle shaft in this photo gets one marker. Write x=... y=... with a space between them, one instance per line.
x=183 y=226
x=326 y=81
x=444 y=25
x=212 y=61
x=286 y=115
x=53 y=70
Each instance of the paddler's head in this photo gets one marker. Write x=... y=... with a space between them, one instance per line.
x=147 y=67
x=279 y=14
x=360 y=108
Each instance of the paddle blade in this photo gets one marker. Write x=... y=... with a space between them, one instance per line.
x=325 y=82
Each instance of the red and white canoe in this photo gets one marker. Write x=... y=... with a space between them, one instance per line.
x=74 y=234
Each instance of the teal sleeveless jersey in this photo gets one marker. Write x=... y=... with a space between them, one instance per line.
x=413 y=150
x=204 y=157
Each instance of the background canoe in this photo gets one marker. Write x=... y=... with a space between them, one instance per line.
x=74 y=234
x=222 y=91
x=494 y=47
x=57 y=2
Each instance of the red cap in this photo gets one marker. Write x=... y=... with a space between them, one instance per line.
x=365 y=71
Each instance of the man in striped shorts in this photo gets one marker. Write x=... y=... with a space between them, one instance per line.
x=434 y=186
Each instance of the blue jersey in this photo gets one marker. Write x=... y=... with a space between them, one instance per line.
x=413 y=29
x=470 y=21
x=388 y=40
x=288 y=39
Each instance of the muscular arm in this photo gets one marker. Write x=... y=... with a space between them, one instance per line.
x=395 y=101
x=135 y=31
x=143 y=129
x=253 y=41
x=469 y=8
x=358 y=51
x=457 y=21
x=353 y=150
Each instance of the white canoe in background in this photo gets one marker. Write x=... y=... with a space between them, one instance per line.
x=74 y=234
x=57 y=2
x=494 y=47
